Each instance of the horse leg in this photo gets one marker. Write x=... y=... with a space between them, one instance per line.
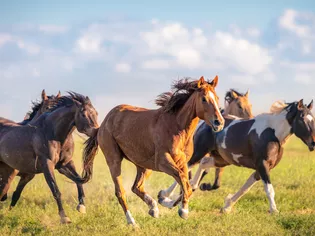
x=69 y=171
x=170 y=191
x=7 y=175
x=230 y=200
x=48 y=170
x=138 y=189
x=181 y=176
x=25 y=179
x=114 y=157
x=270 y=192
x=205 y=163
x=217 y=180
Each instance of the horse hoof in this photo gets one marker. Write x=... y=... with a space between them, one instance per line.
x=274 y=212
x=65 y=220
x=162 y=194
x=205 y=187
x=183 y=213
x=81 y=208
x=166 y=202
x=154 y=212
x=225 y=210
x=214 y=187
x=5 y=197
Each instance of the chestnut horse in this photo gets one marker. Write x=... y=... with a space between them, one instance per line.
x=258 y=144
x=236 y=104
x=40 y=143
x=159 y=139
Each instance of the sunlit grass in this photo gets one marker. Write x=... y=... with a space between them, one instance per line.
x=293 y=180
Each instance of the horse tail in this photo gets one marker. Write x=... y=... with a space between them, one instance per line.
x=89 y=153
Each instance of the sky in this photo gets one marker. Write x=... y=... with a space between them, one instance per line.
x=121 y=52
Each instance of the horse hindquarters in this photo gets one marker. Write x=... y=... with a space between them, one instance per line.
x=7 y=174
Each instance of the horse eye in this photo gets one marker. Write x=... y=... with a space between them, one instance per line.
x=204 y=99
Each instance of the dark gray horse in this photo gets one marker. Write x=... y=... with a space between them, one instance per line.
x=39 y=149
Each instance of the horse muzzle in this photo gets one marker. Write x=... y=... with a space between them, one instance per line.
x=311 y=146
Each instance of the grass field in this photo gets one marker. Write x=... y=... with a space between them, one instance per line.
x=293 y=180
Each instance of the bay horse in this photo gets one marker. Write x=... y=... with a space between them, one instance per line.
x=66 y=156
x=40 y=143
x=258 y=144
x=236 y=104
x=37 y=109
x=158 y=139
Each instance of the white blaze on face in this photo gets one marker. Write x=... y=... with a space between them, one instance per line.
x=215 y=104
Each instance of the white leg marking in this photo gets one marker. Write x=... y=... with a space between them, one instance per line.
x=205 y=163
x=232 y=199
x=271 y=197
x=130 y=219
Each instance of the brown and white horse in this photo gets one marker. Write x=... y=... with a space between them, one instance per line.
x=159 y=139
x=236 y=104
x=258 y=144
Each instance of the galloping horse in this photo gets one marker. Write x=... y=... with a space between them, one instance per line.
x=40 y=143
x=258 y=144
x=38 y=108
x=236 y=104
x=159 y=140
x=66 y=156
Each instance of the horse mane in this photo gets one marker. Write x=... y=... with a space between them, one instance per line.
x=171 y=102
x=35 y=108
x=278 y=106
x=229 y=93
x=69 y=100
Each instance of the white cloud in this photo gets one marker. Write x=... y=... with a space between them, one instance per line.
x=240 y=54
x=89 y=44
x=28 y=47
x=123 y=68
x=288 y=21
x=304 y=79
x=5 y=38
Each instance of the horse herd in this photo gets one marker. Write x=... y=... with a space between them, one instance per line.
x=188 y=128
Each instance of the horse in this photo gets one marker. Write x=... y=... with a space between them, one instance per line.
x=258 y=144
x=66 y=158
x=236 y=104
x=158 y=139
x=40 y=144
x=37 y=109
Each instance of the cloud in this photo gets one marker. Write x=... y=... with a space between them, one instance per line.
x=155 y=64
x=123 y=67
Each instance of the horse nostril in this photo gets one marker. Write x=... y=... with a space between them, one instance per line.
x=217 y=123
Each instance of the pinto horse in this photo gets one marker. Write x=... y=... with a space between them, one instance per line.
x=236 y=104
x=258 y=144
x=159 y=139
x=40 y=143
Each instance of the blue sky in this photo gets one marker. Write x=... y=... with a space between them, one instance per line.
x=118 y=52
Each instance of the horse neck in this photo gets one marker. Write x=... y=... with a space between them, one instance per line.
x=62 y=122
x=27 y=121
x=187 y=118
x=281 y=126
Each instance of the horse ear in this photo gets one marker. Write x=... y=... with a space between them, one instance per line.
x=234 y=95
x=59 y=94
x=44 y=96
x=247 y=93
x=87 y=100
x=215 y=81
x=310 y=106
x=201 y=81
x=300 y=105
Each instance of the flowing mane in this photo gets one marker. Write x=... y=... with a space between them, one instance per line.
x=229 y=93
x=171 y=102
x=278 y=106
x=69 y=100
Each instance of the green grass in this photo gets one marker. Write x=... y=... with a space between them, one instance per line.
x=293 y=180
